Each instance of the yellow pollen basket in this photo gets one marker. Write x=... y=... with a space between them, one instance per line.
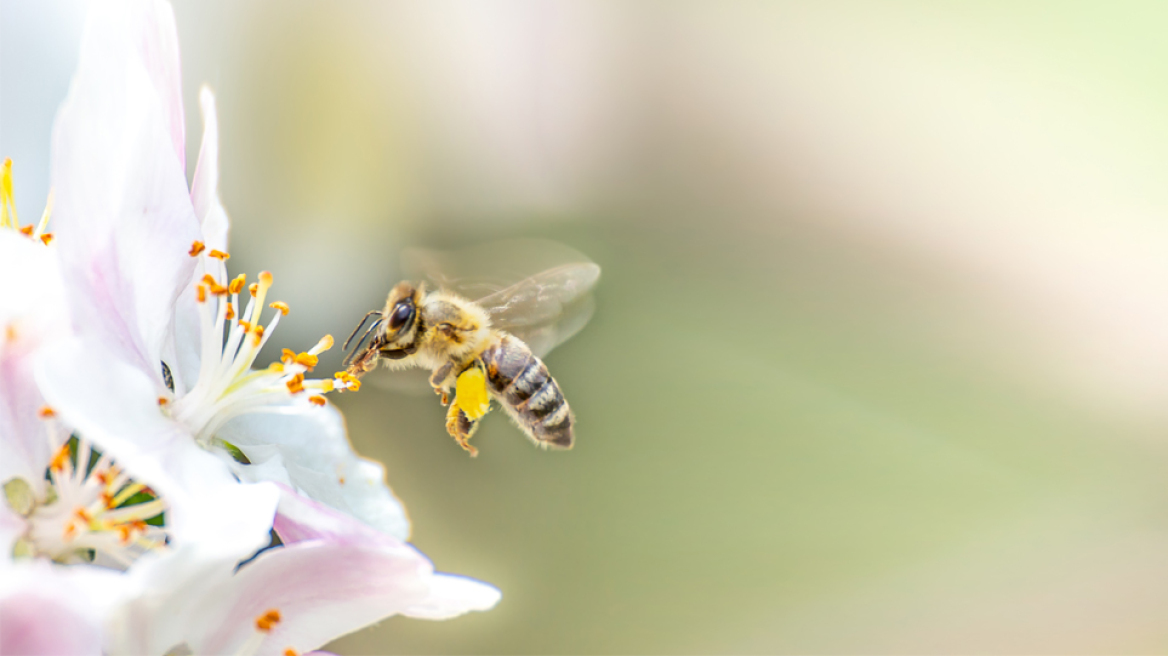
x=470 y=393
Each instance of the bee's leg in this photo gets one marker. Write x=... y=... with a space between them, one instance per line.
x=461 y=428
x=471 y=403
x=438 y=381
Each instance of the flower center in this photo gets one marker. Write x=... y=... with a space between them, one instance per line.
x=8 y=218
x=227 y=386
x=91 y=512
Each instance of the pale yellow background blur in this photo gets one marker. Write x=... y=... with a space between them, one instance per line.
x=880 y=359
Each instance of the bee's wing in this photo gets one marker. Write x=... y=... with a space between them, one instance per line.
x=538 y=290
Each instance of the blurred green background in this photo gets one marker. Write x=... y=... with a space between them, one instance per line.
x=880 y=356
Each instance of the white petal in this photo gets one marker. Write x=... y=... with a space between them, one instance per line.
x=319 y=462
x=113 y=405
x=451 y=596
x=205 y=184
x=183 y=352
x=123 y=217
x=32 y=317
x=12 y=526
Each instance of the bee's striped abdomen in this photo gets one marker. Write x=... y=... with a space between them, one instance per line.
x=521 y=383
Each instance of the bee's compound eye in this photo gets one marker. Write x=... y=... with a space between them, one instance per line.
x=402 y=313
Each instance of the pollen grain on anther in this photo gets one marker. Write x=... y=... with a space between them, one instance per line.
x=196 y=248
x=268 y=620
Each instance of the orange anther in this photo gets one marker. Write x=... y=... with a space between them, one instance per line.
x=107 y=500
x=201 y=293
x=162 y=400
x=253 y=288
x=296 y=384
x=70 y=531
x=268 y=620
x=46 y=412
x=291 y=652
x=245 y=325
x=281 y=306
x=287 y=356
x=26 y=230
x=258 y=334
x=317 y=399
x=82 y=515
x=237 y=285
x=60 y=458
x=196 y=248
x=124 y=533
x=218 y=254
x=46 y=238
x=103 y=477
x=230 y=311
x=306 y=360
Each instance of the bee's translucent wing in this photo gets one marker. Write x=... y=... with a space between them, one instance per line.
x=538 y=290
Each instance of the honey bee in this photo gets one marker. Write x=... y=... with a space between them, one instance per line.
x=487 y=349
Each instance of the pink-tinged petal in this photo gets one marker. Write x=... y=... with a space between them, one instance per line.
x=36 y=622
x=122 y=216
x=159 y=51
x=301 y=519
x=332 y=576
x=315 y=452
x=113 y=405
x=321 y=590
x=48 y=609
x=205 y=184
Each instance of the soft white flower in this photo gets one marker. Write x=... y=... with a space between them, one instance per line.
x=161 y=337
x=331 y=576
x=71 y=520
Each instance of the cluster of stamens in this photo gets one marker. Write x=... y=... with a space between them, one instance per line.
x=227 y=385
x=92 y=511
x=8 y=218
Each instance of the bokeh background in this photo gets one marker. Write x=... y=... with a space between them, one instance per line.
x=880 y=359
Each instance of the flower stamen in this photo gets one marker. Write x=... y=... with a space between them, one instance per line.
x=8 y=218
x=228 y=385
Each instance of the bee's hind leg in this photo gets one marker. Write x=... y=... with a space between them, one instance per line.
x=461 y=428
x=471 y=404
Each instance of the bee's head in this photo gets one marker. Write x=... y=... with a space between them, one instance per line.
x=399 y=321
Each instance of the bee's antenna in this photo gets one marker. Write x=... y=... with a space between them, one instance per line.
x=366 y=318
x=373 y=326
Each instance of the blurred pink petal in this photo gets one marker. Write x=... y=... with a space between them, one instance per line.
x=123 y=216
